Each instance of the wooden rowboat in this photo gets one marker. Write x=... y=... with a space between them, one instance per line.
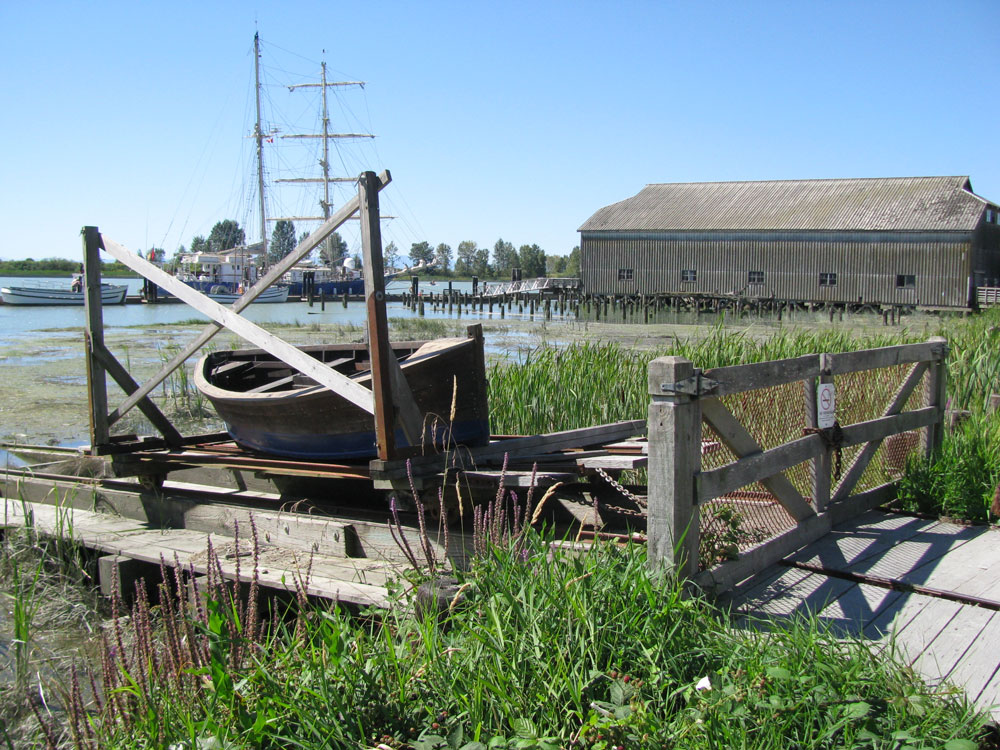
x=271 y=408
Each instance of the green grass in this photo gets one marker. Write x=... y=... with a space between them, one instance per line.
x=589 y=651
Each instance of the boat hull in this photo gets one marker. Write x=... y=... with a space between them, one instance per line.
x=28 y=295
x=268 y=407
x=271 y=294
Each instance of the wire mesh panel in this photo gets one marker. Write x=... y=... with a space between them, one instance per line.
x=780 y=414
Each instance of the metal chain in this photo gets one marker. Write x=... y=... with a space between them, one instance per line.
x=637 y=499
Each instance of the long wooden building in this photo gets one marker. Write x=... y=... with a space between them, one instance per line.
x=925 y=242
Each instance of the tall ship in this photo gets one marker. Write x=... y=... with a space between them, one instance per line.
x=227 y=272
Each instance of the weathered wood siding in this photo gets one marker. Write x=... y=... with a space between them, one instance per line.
x=866 y=265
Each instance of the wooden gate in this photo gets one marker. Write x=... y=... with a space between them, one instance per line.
x=747 y=463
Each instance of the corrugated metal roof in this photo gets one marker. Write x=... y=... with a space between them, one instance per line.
x=866 y=204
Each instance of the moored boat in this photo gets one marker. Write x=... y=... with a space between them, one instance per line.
x=52 y=295
x=271 y=408
x=271 y=294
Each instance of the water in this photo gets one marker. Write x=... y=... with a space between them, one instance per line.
x=18 y=324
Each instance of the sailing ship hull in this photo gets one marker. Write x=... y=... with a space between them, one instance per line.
x=271 y=408
x=30 y=295
x=330 y=288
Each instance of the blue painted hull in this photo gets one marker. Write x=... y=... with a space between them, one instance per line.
x=271 y=408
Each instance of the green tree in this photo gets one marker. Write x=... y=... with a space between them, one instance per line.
x=532 y=261
x=442 y=257
x=282 y=241
x=504 y=257
x=332 y=249
x=555 y=265
x=199 y=245
x=465 y=259
x=390 y=256
x=573 y=263
x=226 y=235
x=421 y=252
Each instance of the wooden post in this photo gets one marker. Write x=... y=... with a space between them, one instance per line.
x=97 y=382
x=378 y=325
x=822 y=464
x=937 y=383
x=674 y=430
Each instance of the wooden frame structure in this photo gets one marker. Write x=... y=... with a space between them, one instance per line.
x=684 y=397
x=390 y=402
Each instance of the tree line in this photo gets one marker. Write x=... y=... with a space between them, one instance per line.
x=468 y=259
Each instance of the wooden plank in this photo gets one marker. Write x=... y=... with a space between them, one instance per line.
x=923 y=630
x=97 y=387
x=925 y=547
x=861 y=461
x=846 y=546
x=887 y=356
x=882 y=427
x=276 y=272
x=340 y=384
x=146 y=406
x=280 y=382
x=674 y=428
x=968 y=569
x=735 y=436
x=894 y=618
x=613 y=463
x=858 y=607
x=980 y=665
x=763 y=588
x=941 y=656
x=515 y=447
x=740 y=378
x=757 y=467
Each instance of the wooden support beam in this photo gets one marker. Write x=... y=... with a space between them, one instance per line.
x=228 y=317
x=343 y=214
x=97 y=383
x=674 y=429
x=742 y=443
x=128 y=384
x=393 y=398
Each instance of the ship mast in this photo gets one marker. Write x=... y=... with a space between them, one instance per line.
x=259 y=136
x=326 y=137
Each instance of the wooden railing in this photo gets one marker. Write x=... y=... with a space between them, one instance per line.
x=684 y=399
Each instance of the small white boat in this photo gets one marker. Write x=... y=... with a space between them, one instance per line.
x=271 y=294
x=53 y=295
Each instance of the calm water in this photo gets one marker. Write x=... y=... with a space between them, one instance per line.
x=18 y=323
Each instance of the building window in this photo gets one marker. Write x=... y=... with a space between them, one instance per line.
x=828 y=279
x=755 y=277
x=905 y=281
x=991 y=216
x=689 y=274
x=624 y=274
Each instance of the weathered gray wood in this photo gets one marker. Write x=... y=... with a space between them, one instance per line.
x=980 y=663
x=727 y=575
x=968 y=569
x=882 y=427
x=858 y=607
x=937 y=384
x=887 y=356
x=822 y=464
x=146 y=406
x=941 y=656
x=757 y=467
x=388 y=382
x=750 y=377
x=752 y=561
x=97 y=385
x=861 y=461
x=613 y=463
x=921 y=631
x=281 y=382
x=276 y=271
x=674 y=432
x=335 y=381
x=514 y=448
x=920 y=549
x=742 y=443
x=847 y=545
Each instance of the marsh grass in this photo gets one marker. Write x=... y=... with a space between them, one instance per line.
x=544 y=650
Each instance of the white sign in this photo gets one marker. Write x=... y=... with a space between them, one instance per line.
x=826 y=402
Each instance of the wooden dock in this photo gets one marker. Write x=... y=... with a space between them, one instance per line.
x=930 y=588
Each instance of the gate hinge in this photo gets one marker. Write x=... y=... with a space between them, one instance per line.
x=696 y=385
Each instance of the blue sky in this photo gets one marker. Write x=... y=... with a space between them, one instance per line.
x=515 y=120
